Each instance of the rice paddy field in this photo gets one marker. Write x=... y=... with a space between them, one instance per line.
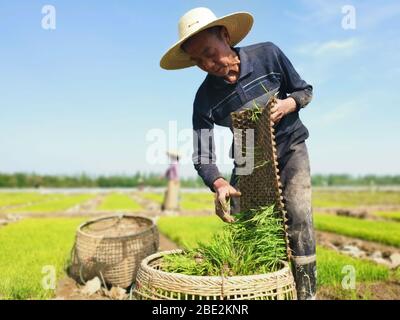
x=37 y=230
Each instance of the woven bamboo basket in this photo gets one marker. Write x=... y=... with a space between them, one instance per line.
x=154 y=284
x=112 y=248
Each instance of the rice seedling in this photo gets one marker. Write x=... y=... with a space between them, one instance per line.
x=337 y=198
x=59 y=203
x=390 y=215
x=155 y=197
x=188 y=231
x=17 y=198
x=330 y=268
x=254 y=244
x=26 y=248
x=255 y=112
x=386 y=232
x=119 y=202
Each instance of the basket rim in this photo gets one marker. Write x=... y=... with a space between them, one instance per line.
x=144 y=265
x=123 y=215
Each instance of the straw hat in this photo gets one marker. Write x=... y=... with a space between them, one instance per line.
x=192 y=22
x=174 y=154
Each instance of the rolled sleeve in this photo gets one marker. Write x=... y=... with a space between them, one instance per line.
x=296 y=87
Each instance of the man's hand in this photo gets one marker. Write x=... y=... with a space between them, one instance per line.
x=223 y=192
x=280 y=108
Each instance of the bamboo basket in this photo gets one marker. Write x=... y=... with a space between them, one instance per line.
x=154 y=284
x=112 y=248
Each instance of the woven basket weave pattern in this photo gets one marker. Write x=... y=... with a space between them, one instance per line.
x=154 y=284
x=262 y=187
x=115 y=258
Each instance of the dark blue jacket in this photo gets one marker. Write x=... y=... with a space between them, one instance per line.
x=262 y=66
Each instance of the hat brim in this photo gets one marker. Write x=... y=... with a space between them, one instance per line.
x=173 y=154
x=238 y=25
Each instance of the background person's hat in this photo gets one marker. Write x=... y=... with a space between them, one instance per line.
x=173 y=153
x=192 y=22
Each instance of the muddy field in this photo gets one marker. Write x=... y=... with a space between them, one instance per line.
x=348 y=223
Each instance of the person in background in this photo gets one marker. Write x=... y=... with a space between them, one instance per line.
x=171 y=197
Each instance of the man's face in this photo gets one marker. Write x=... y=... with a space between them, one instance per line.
x=211 y=53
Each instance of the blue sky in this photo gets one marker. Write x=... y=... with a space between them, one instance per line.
x=84 y=97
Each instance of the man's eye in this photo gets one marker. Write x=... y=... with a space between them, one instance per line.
x=210 y=54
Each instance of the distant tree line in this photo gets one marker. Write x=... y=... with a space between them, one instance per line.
x=349 y=180
x=31 y=180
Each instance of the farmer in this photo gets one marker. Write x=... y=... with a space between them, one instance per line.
x=171 y=196
x=236 y=76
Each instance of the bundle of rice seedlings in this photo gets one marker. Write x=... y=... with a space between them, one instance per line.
x=253 y=244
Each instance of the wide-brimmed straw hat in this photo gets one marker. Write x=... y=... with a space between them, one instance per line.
x=192 y=22
x=174 y=153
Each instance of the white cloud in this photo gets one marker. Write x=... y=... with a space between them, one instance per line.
x=322 y=61
x=316 y=49
x=336 y=112
x=369 y=14
x=318 y=12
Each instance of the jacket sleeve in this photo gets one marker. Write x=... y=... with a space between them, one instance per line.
x=296 y=87
x=204 y=158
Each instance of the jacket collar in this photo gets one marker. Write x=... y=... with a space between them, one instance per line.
x=246 y=67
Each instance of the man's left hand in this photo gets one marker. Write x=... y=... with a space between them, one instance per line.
x=280 y=108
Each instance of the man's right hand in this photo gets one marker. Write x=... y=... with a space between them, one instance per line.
x=223 y=192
